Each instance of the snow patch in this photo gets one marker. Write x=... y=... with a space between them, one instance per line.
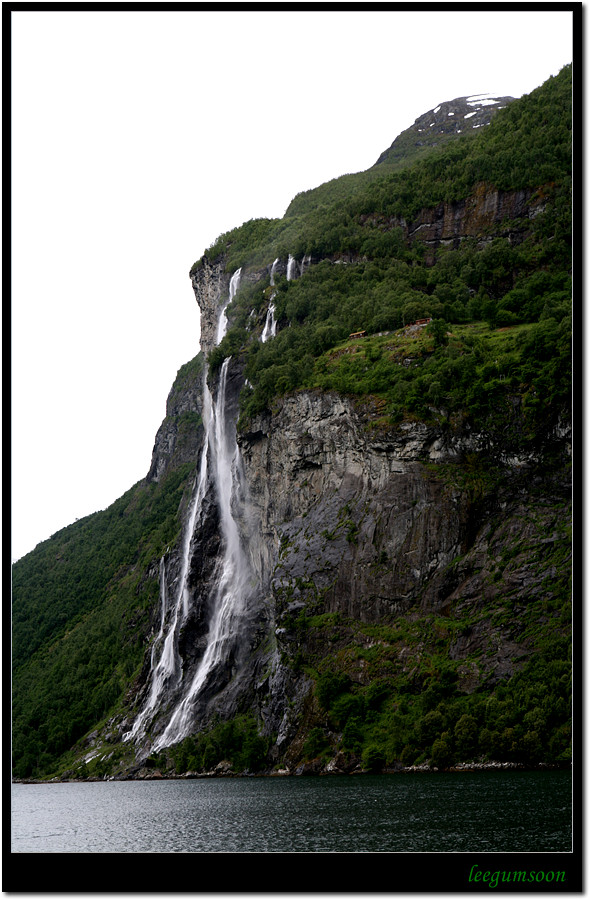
x=482 y=103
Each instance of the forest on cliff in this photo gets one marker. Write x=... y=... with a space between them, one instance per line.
x=521 y=277
x=495 y=356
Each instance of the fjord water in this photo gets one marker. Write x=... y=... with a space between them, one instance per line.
x=464 y=812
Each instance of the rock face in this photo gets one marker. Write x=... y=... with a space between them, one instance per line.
x=486 y=214
x=180 y=435
x=341 y=520
x=483 y=215
x=334 y=504
x=370 y=528
x=211 y=285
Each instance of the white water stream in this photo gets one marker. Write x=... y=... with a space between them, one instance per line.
x=219 y=471
x=232 y=579
x=222 y=324
x=270 y=326
x=291 y=264
x=305 y=260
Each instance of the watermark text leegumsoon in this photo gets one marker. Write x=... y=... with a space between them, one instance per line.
x=493 y=878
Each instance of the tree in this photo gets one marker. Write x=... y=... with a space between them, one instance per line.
x=466 y=733
x=373 y=758
x=441 y=754
x=438 y=329
x=352 y=736
x=329 y=685
x=413 y=309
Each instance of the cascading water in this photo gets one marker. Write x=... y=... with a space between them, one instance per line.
x=233 y=577
x=270 y=326
x=233 y=286
x=304 y=261
x=220 y=472
x=291 y=264
x=167 y=672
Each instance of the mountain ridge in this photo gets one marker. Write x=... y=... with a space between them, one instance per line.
x=451 y=117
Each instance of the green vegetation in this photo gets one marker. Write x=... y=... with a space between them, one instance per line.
x=236 y=742
x=456 y=363
x=427 y=715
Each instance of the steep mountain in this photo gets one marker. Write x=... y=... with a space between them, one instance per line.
x=352 y=550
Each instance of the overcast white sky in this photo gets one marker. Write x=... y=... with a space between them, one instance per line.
x=138 y=138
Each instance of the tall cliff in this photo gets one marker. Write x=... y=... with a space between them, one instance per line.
x=352 y=548
x=355 y=527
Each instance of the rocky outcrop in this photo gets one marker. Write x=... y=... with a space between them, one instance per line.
x=486 y=214
x=210 y=283
x=364 y=524
x=180 y=436
x=448 y=119
x=350 y=524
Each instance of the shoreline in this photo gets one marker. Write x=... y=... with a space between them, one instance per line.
x=226 y=772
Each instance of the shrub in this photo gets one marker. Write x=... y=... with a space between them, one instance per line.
x=330 y=685
x=373 y=758
x=352 y=736
x=441 y=754
x=315 y=744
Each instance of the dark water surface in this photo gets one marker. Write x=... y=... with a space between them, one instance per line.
x=464 y=812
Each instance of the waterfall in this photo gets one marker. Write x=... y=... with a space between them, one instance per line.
x=168 y=669
x=291 y=263
x=270 y=326
x=219 y=474
x=233 y=286
x=232 y=581
x=272 y=273
x=292 y=266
